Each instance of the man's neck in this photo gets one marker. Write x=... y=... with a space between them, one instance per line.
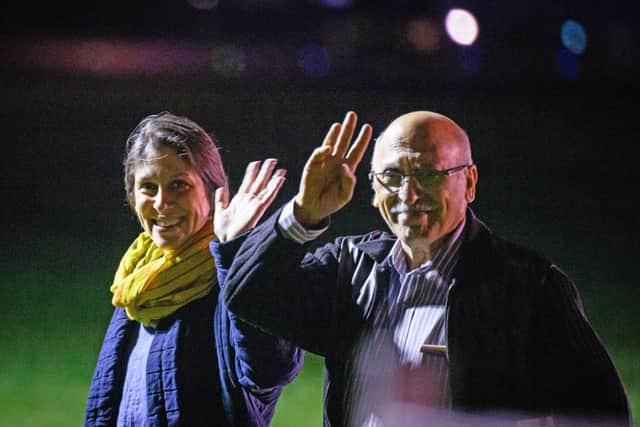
x=416 y=254
x=421 y=251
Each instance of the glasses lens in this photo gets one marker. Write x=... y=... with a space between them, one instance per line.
x=426 y=178
x=391 y=179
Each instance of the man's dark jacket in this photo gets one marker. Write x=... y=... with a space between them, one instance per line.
x=518 y=339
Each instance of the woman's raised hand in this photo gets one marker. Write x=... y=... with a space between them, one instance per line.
x=259 y=188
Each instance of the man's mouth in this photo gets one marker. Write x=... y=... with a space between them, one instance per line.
x=411 y=209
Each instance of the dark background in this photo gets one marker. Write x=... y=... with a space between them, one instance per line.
x=554 y=135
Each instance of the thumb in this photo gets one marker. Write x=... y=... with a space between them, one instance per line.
x=221 y=198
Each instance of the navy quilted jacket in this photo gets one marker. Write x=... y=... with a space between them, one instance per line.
x=205 y=368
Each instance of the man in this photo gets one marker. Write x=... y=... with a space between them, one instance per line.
x=441 y=314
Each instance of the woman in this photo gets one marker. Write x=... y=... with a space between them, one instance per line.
x=172 y=354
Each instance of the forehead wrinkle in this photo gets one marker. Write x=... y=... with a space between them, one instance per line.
x=152 y=168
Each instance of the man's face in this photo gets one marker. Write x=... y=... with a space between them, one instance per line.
x=422 y=215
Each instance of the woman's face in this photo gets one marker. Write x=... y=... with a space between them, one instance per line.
x=170 y=198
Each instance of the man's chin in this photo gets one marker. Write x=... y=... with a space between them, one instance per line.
x=412 y=218
x=412 y=234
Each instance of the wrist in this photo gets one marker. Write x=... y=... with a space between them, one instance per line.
x=305 y=219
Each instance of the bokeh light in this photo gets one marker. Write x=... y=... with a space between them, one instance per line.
x=228 y=60
x=203 y=4
x=423 y=35
x=335 y=4
x=117 y=57
x=314 y=61
x=573 y=36
x=462 y=26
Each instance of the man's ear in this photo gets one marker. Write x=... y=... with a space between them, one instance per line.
x=472 y=180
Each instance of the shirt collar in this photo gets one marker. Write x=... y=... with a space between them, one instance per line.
x=441 y=259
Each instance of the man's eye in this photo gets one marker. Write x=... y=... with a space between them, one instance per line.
x=426 y=175
x=392 y=177
x=392 y=174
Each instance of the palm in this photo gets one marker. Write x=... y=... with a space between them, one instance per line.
x=326 y=186
x=255 y=195
x=329 y=178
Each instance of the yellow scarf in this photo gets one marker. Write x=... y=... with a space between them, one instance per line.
x=152 y=283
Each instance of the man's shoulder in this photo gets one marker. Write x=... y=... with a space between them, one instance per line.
x=492 y=248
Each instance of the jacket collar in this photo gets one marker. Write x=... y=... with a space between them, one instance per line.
x=380 y=244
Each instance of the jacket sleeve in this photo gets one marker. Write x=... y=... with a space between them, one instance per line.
x=579 y=356
x=261 y=361
x=275 y=285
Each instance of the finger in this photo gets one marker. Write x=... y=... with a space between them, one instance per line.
x=272 y=189
x=318 y=155
x=249 y=176
x=221 y=198
x=263 y=176
x=267 y=197
x=332 y=135
x=346 y=133
x=347 y=181
x=359 y=147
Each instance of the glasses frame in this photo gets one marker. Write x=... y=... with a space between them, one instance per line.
x=433 y=174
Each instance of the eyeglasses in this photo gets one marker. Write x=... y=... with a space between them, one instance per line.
x=392 y=180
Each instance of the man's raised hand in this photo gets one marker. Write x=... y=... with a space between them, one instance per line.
x=328 y=178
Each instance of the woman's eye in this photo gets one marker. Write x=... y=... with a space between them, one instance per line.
x=148 y=187
x=180 y=186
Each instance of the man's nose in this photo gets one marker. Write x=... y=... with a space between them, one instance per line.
x=408 y=191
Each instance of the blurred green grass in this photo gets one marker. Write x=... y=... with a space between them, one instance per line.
x=55 y=309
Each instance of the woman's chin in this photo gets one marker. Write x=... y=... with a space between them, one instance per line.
x=168 y=241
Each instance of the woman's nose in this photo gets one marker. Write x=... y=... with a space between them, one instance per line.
x=163 y=199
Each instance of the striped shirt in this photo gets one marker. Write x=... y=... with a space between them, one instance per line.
x=420 y=297
x=414 y=321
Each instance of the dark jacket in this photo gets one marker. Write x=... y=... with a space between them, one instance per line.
x=205 y=368
x=518 y=339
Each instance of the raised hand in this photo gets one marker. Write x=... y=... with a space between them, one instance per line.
x=259 y=188
x=328 y=178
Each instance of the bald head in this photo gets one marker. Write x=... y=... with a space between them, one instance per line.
x=422 y=211
x=427 y=132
